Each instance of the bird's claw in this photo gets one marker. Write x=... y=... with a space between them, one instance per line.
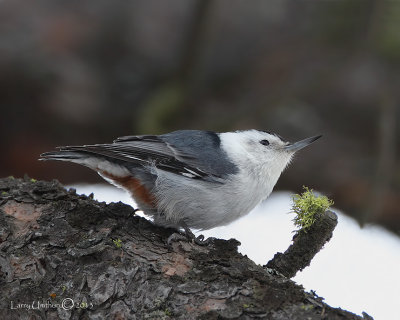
x=188 y=236
x=201 y=241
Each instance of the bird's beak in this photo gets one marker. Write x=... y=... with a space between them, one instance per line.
x=296 y=146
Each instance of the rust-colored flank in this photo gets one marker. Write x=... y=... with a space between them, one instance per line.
x=135 y=187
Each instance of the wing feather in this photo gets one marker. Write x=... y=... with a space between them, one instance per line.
x=191 y=153
x=146 y=150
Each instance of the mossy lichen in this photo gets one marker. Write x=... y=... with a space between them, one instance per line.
x=117 y=243
x=307 y=207
x=306 y=307
x=167 y=312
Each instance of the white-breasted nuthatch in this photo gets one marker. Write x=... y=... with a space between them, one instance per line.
x=190 y=178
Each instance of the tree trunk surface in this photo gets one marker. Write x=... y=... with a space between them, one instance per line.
x=66 y=256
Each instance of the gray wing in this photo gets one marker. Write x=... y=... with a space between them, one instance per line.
x=191 y=153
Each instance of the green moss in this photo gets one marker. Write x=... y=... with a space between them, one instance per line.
x=33 y=180
x=307 y=207
x=117 y=242
x=168 y=312
x=307 y=307
x=4 y=193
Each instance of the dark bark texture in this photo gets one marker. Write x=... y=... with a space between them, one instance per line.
x=66 y=256
x=306 y=244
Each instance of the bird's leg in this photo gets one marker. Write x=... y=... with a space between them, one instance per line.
x=188 y=236
x=197 y=240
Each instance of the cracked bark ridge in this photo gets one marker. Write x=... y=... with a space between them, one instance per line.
x=59 y=247
x=306 y=244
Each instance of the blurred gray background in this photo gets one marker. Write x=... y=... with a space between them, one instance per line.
x=81 y=72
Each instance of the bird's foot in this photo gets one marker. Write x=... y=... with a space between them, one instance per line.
x=199 y=240
x=189 y=236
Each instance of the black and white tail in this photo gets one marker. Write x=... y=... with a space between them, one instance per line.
x=64 y=156
x=101 y=163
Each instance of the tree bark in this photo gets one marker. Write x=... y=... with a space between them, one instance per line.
x=306 y=244
x=66 y=256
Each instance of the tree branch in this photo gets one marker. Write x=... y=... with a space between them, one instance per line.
x=66 y=256
x=306 y=244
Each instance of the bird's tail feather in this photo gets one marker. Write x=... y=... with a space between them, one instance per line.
x=63 y=155
x=92 y=160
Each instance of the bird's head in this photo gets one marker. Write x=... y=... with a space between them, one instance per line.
x=262 y=148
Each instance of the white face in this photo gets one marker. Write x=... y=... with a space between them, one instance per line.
x=257 y=147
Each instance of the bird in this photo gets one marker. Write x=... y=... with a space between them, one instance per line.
x=190 y=179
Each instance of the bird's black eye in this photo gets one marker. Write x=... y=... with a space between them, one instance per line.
x=264 y=142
